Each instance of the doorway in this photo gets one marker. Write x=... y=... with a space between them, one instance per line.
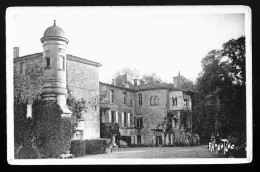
x=158 y=140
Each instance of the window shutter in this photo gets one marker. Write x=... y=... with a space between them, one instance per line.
x=109 y=116
x=122 y=118
x=116 y=117
x=128 y=119
x=135 y=121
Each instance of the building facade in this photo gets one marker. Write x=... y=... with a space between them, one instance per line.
x=141 y=108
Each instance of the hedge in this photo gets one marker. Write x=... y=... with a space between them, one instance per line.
x=77 y=147
x=27 y=153
x=88 y=147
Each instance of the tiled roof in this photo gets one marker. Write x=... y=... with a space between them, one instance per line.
x=151 y=86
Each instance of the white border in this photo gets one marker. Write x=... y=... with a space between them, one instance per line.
x=180 y=9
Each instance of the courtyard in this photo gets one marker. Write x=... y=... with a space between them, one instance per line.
x=159 y=152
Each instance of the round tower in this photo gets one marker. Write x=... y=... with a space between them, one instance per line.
x=54 y=65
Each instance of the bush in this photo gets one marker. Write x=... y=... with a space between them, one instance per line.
x=77 y=147
x=88 y=147
x=97 y=146
x=52 y=132
x=27 y=153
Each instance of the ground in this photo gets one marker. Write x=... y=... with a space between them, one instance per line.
x=159 y=152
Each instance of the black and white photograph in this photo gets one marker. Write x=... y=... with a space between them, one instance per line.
x=129 y=85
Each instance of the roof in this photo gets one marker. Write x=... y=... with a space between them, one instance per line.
x=69 y=57
x=54 y=31
x=79 y=59
x=151 y=86
x=110 y=85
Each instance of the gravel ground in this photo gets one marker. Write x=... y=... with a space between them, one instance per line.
x=159 y=152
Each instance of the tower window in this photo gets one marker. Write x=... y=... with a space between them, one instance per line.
x=48 y=61
x=62 y=62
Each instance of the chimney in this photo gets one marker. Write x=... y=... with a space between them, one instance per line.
x=16 y=52
x=176 y=82
x=114 y=82
x=135 y=82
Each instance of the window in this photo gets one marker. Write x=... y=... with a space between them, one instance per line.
x=140 y=99
x=131 y=120
x=111 y=96
x=62 y=62
x=22 y=68
x=186 y=102
x=139 y=139
x=151 y=101
x=139 y=122
x=113 y=117
x=131 y=102
x=48 y=62
x=124 y=97
x=174 y=101
x=125 y=119
x=156 y=100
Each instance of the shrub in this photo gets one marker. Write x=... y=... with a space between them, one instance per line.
x=53 y=133
x=27 y=153
x=77 y=147
x=88 y=147
x=98 y=146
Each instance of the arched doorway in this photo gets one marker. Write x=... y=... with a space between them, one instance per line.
x=158 y=139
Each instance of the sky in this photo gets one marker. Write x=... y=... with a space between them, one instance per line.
x=159 y=39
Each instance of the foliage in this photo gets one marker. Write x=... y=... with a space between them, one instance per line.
x=108 y=130
x=184 y=119
x=27 y=152
x=86 y=147
x=96 y=146
x=19 y=121
x=221 y=91
x=131 y=73
x=52 y=132
x=151 y=78
x=77 y=147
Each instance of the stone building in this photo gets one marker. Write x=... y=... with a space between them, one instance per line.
x=52 y=73
x=140 y=109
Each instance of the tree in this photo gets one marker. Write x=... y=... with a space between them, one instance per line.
x=151 y=78
x=131 y=73
x=221 y=88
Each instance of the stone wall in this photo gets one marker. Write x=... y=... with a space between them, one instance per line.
x=179 y=95
x=83 y=82
x=29 y=84
x=118 y=105
x=152 y=115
